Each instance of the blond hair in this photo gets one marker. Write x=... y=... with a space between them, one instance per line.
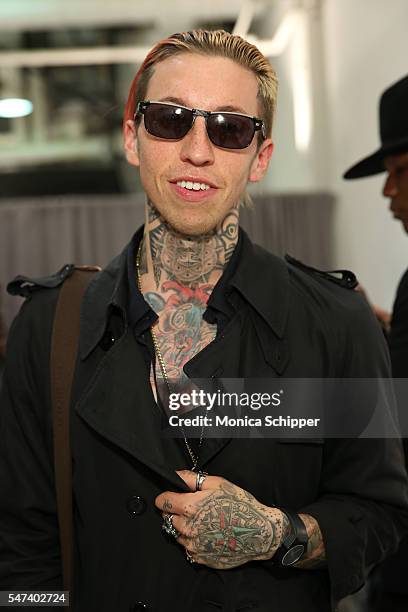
x=217 y=43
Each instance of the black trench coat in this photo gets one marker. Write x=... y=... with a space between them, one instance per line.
x=288 y=322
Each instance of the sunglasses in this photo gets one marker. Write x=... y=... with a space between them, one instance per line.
x=225 y=129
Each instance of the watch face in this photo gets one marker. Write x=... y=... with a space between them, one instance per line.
x=293 y=554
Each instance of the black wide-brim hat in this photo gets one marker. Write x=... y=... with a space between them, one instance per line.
x=393 y=131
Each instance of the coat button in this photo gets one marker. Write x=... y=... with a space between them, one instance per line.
x=136 y=505
x=107 y=341
x=139 y=605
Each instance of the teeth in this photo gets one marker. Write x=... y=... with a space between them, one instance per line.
x=193 y=186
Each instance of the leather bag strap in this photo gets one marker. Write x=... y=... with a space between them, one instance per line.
x=64 y=349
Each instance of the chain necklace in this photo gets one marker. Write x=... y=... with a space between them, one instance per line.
x=194 y=458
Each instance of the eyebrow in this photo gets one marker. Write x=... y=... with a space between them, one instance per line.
x=226 y=108
x=396 y=162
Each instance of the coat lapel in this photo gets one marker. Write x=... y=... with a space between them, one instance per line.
x=118 y=403
x=220 y=359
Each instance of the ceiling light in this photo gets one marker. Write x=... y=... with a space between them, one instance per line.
x=15 y=107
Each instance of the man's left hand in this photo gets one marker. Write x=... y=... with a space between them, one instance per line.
x=222 y=526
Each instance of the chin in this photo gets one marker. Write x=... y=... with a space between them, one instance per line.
x=188 y=226
x=192 y=229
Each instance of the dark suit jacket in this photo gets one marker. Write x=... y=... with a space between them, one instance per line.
x=398 y=340
x=393 y=571
x=287 y=322
x=398 y=345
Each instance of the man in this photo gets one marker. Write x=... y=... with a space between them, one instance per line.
x=276 y=524
x=392 y=158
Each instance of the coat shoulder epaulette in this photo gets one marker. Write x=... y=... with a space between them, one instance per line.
x=25 y=286
x=343 y=278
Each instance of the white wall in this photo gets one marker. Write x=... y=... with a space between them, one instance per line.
x=358 y=48
x=292 y=170
x=366 y=49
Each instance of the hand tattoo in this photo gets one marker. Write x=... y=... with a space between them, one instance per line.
x=230 y=527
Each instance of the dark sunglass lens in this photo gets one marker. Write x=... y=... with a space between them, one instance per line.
x=230 y=131
x=167 y=121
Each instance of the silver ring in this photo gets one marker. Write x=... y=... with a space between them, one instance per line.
x=200 y=477
x=168 y=526
x=189 y=557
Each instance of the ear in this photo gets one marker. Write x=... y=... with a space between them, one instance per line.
x=261 y=162
x=130 y=143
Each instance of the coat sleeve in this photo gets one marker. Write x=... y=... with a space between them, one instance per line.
x=398 y=338
x=398 y=343
x=363 y=507
x=29 y=539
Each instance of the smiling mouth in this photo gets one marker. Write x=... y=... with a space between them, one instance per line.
x=192 y=191
x=193 y=186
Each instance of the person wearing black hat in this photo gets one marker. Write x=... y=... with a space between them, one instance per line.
x=392 y=158
x=393 y=132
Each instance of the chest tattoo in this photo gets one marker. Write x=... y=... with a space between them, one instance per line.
x=181 y=331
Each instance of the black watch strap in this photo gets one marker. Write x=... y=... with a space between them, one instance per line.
x=294 y=545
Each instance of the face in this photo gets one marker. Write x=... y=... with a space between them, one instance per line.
x=208 y=83
x=396 y=186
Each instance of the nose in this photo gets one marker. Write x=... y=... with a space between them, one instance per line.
x=390 y=186
x=196 y=147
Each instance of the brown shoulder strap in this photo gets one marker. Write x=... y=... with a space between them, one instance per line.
x=64 y=349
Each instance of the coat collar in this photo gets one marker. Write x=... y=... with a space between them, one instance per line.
x=109 y=290
x=255 y=275
x=263 y=280
x=106 y=290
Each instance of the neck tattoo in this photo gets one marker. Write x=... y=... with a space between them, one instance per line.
x=189 y=261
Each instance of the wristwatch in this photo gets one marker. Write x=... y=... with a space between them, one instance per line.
x=294 y=545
